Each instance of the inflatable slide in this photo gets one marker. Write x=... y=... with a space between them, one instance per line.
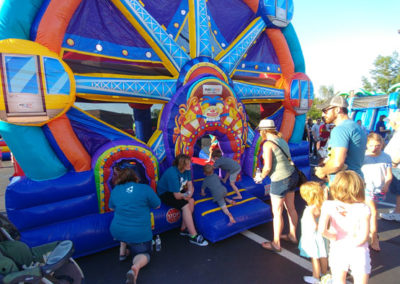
x=205 y=62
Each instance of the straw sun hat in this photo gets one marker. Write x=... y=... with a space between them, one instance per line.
x=266 y=124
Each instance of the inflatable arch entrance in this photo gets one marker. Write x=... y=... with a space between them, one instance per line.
x=203 y=62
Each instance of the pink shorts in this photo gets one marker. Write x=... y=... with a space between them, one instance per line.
x=343 y=258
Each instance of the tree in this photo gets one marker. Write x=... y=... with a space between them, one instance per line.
x=326 y=92
x=386 y=72
x=315 y=112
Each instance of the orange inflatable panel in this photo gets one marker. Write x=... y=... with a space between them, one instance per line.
x=70 y=145
x=58 y=14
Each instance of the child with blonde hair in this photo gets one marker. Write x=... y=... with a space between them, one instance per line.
x=218 y=191
x=345 y=221
x=312 y=244
x=377 y=171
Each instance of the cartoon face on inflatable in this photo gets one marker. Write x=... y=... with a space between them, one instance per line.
x=211 y=106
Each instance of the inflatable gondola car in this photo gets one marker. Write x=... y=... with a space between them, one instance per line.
x=48 y=263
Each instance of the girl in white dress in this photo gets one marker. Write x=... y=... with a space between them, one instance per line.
x=312 y=243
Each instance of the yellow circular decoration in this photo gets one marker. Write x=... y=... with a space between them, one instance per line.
x=70 y=42
x=176 y=25
x=125 y=52
x=43 y=98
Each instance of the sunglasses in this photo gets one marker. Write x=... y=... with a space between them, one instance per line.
x=327 y=109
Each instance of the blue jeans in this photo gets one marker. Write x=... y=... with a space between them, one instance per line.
x=141 y=248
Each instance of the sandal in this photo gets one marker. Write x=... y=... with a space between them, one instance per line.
x=287 y=238
x=270 y=246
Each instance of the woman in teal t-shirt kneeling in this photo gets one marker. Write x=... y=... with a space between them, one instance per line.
x=131 y=224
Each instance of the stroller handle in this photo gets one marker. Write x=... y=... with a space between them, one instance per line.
x=58 y=257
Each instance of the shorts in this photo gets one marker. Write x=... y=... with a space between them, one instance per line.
x=233 y=176
x=282 y=187
x=169 y=199
x=343 y=258
x=141 y=248
x=374 y=195
x=221 y=202
x=395 y=184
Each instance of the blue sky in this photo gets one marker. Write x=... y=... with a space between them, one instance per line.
x=341 y=39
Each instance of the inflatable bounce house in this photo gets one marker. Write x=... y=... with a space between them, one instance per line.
x=203 y=61
x=368 y=107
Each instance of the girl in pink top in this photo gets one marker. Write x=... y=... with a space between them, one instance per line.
x=345 y=222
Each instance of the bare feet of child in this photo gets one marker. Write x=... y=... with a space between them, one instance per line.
x=238 y=196
x=231 y=220
x=230 y=201
x=375 y=244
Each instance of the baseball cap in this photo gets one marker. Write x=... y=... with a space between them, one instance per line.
x=266 y=124
x=337 y=101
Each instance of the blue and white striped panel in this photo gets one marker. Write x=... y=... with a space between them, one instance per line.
x=158 y=148
x=21 y=74
x=250 y=136
x=232 y=58
x=151 y=89
x=203 y=46
x=175 y=54
x=248 y=91
x=57 y=81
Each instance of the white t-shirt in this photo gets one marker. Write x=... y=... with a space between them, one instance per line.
x=393 y=147
x=374 y=170
x=315 y=130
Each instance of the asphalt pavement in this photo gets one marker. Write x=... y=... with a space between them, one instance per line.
x=238 y=259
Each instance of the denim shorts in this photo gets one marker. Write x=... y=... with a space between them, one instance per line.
x=141 y=248
x=395 y=184
x=282 y=187
x=233 y=176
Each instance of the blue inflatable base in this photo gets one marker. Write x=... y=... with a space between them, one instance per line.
x=67 y=208
x=214 y=225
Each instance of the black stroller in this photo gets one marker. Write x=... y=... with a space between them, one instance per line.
x=48 y=263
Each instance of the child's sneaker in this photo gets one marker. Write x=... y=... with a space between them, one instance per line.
x=198 y=240
x=130 y=277
x=184 y=233
x=310 y=279
x=326 y=279
x=390 y=216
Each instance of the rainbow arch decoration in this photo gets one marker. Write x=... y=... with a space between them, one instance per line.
x=204 y=63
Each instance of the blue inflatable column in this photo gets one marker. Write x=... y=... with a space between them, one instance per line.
x=142 y=118
x=32 y=151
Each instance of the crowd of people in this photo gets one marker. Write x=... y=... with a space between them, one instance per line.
x=355 y=175
x=358 y=171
